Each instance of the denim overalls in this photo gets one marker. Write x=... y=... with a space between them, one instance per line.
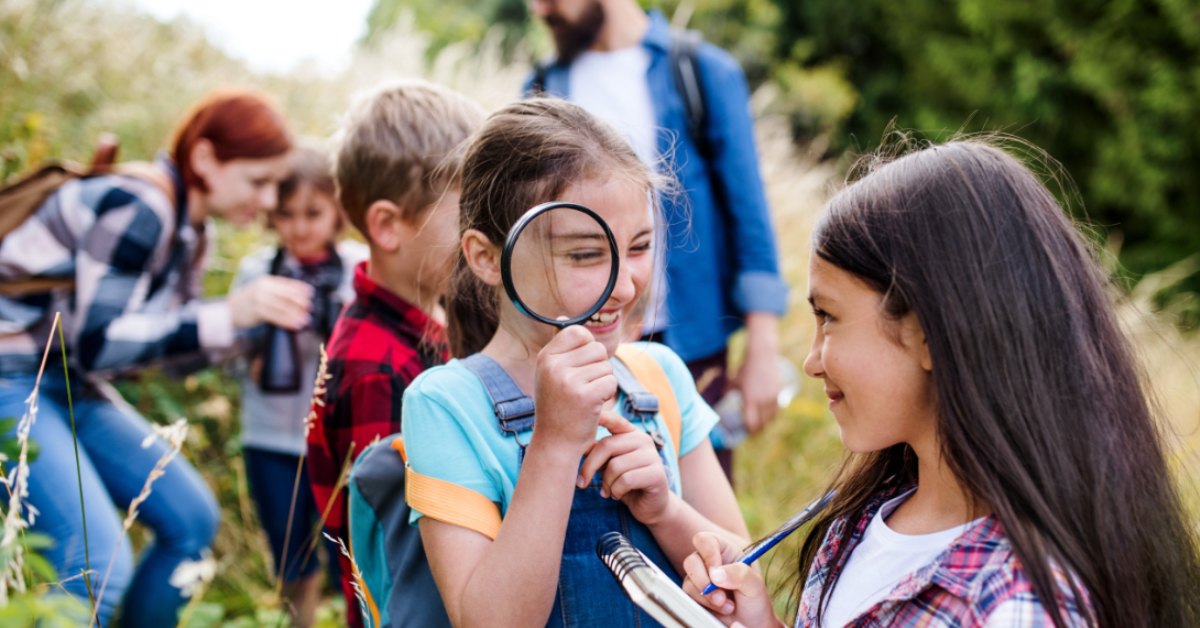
x=587 y=595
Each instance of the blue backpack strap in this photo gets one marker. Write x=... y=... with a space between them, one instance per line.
x=639 y=403
x=513 y=408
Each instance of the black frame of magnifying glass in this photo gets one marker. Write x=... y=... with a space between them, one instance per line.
x=506 y=263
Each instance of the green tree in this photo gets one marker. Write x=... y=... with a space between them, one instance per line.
x=451 y=21
x=1110 y=89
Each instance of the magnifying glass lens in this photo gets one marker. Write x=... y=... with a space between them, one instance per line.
x=562 y=265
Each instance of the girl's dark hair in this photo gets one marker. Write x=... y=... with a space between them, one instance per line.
x=527 y=153
x=311 y=165
x=1042 y=413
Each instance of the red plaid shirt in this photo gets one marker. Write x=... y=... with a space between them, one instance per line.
x=378 y=347
x=963 y=587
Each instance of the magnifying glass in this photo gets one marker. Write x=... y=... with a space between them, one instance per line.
x=559 y=264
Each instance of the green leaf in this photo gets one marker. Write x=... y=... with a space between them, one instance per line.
x=12 y=449
x=205 y=615
x=41 y=567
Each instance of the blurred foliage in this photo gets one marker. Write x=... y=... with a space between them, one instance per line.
x=451 y=21
x=57 y=92
x=1110 y=89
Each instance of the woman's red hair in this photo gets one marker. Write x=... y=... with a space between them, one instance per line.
x=240 y=124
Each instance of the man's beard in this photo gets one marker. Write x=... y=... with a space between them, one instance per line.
x=571 y=39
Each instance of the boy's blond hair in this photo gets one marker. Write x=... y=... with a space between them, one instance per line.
x=399 y=143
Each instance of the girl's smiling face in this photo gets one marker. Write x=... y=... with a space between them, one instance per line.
x=581 y=265
x=307 y=222
x=876 y=370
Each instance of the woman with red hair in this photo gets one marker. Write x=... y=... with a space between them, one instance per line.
x=134 y=248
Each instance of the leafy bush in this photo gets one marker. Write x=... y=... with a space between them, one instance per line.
x=1108 y=88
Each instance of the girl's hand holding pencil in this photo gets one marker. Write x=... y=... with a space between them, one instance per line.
x=742 y=597
x=716 y=565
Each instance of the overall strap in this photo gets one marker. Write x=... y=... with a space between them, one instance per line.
x=651 y=376
x=641 y=404
x=514 y=409
x=635 y=372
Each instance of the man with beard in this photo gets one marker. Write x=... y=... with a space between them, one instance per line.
x=718 y=260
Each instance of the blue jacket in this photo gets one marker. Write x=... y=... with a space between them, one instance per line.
x=721 y=258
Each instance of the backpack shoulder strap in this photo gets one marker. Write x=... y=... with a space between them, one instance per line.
x=651 y=376
x=538 y=86
x=684 y=54
x=147 y=171
x=514 y=409
x=448 y=502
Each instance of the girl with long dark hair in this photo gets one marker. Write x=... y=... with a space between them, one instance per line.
x=1005 y=466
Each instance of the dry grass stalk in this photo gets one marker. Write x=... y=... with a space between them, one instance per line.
x=17 y=482
x=314 y=536
x=175 y=434
x=357 y=581
x=318 y=400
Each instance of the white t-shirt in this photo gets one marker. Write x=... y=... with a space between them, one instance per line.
x=612 y=86
x=880 y=561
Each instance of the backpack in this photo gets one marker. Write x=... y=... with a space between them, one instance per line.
x=684 y=55
x=398 y=587
x=21 y=200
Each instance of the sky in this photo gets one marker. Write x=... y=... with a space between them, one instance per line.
x=274 y=35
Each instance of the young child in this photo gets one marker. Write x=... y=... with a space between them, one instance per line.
x=540 y=567
x=308 y=221
x=1005 y=468
x=395 y=171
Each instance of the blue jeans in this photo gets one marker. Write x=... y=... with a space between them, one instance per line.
x=271 y=476
x=181 y=509
x=587 y=593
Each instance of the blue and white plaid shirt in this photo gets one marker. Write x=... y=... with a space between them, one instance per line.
x=135 y=258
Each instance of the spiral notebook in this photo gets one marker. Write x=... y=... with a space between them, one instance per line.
x=649 y=587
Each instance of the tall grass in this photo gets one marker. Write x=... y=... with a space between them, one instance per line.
x=70 y=69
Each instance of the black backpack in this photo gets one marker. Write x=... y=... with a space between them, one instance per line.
x=684 y=55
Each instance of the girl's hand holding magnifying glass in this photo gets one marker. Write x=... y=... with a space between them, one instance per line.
x=572 y=382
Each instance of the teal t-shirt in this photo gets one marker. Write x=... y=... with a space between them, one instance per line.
x=451 y=432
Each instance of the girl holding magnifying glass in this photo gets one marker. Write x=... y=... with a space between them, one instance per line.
x=541 y=565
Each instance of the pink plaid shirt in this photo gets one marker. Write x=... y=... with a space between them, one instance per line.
x=961 y=588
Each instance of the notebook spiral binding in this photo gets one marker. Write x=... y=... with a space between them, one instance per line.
x=619 y=554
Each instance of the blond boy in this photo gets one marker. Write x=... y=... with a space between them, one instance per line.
x=395 y=167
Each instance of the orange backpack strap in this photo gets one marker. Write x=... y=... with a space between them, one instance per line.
x=651 y=375
x=398 y=445
x=447 y=502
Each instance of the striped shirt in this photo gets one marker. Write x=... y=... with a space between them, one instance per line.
x=135 y=258
x=977 y=582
